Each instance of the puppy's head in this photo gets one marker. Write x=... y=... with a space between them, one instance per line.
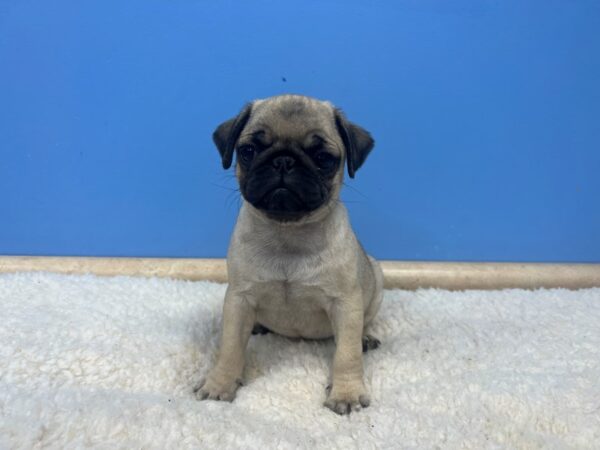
x=290 y=154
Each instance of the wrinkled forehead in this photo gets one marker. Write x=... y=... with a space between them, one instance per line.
x=292 y=117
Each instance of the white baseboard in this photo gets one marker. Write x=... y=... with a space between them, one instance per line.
x=398 y=274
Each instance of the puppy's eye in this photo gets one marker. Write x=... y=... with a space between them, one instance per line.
x=247 y=153
x=325 y=160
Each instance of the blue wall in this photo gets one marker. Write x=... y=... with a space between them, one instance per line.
x=486 y=115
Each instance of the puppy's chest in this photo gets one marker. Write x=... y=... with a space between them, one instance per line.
x=291 y=310
x=283 y=295
x=267 y=265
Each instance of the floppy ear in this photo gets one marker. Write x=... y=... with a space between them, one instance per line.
x=357 y=140
x=227 y=134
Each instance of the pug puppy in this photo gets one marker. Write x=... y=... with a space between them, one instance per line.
x=295 y=266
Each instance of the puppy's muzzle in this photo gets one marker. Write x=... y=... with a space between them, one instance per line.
x=282 y=198
x=285 y=184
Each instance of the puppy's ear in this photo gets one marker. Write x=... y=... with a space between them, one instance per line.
x=227 y=134
x=357 y=140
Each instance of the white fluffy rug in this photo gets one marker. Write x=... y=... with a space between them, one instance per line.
x=111 y=362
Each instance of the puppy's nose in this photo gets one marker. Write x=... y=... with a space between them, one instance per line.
x=284 y=163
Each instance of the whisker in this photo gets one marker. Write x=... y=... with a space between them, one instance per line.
x=228 y=176
x=351 y=201
x=227 y=188
x=354 y=189
x=232 y=197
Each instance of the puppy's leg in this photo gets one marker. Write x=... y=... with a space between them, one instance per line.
x=225 y=377
x=348 y=392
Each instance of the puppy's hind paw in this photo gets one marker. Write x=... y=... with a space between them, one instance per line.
x=369 y=343
x=260 y=329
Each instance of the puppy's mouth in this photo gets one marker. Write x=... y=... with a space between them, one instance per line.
x=282 y=203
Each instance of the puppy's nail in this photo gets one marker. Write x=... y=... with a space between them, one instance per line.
x=342 y=408
x=228 y=397
x=364 y=401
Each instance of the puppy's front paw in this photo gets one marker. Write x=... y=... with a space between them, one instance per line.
x=215 y=388
x=347 y=399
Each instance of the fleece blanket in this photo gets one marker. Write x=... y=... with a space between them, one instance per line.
x=112 y=362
